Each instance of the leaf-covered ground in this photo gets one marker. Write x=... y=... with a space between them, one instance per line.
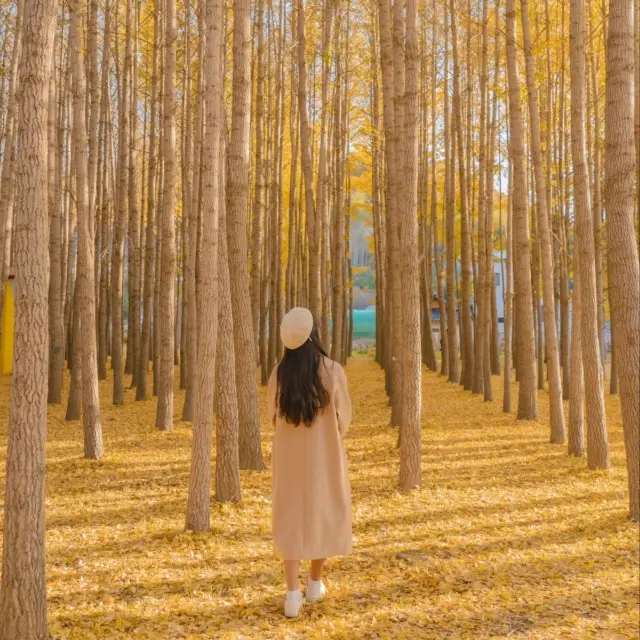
x=507 y=538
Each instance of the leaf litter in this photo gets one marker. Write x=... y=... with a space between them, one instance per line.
x=507 y=538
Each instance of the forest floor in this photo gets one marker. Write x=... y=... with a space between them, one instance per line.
x=507 y=538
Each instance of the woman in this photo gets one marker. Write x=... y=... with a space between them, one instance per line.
x=310 y=407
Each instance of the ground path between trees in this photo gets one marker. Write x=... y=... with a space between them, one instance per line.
x=507 y=538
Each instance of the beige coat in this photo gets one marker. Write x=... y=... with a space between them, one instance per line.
x=311 y=490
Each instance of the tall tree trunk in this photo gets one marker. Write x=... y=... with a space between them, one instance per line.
x=401 y=185
x=23 y=610
x=149 y=273
x=452 y=322
x=258 y=199
x=437 y=247
x=410 y=450
x=508 y=314
x=597 y=445
x=105 y=204
x=483 y=264
x=237 y=222
x=198 y=503
x=85 y=286
x=275 y=202
x=524 y=331
x=622 y=251
x=7 y=186
x=94 y=115
x=167 y=311
x=117 y=266
x=338 y=248
x=388 y=92
x=425 y=230
x=597 y=204
x=313 y=226
x=187 y=187
x=227 y=420
x=492 y=350
x=563 y=154
x=322 y=201
x=465 y=298
x=134 y=255
x=558 y=432
x=294 y=224
x=56 y=318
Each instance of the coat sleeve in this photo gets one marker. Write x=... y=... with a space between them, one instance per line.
x=271 y=395
x=343 y=402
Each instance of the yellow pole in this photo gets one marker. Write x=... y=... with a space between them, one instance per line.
x=6 y=345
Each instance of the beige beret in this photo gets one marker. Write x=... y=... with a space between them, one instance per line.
x=296 y=327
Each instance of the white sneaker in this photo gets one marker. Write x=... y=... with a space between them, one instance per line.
x=316 y=591
x=293 y=603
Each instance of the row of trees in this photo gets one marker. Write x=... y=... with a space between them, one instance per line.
x=570 y=185
x=175 y=175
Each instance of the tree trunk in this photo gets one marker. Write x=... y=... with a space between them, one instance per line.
x=227 y=421
x=85 y=286
x=167 y=311
x=56 y=318
x=597 y=207
x=7 y=186
x=576 y=401
x=322 y=203
x=491 y=362
x=134 y=255
x=437 y=247
x=23 y=609
x=74 y=400
x=410 y=449
x=452 y=323
x=597 y=445
x=237 y=222
x=622 y=251
x=313 y=226
x=198 y=503
x=524 y=332
x=339 y=258
x=117 y=266
x=149 y=272
x=483 y=263
x=399 y=196
x=508 y=314
x=258 y=199
x=105 y=203
x=557 y=435
x=465 y=298
x=386 y=60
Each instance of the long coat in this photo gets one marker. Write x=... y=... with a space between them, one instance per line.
x=311 y=490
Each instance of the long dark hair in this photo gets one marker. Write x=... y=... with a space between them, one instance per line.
x=301 y=394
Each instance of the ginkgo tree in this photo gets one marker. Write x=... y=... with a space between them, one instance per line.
x=199 y=164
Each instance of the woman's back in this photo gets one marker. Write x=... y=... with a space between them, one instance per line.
x=311 y=492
